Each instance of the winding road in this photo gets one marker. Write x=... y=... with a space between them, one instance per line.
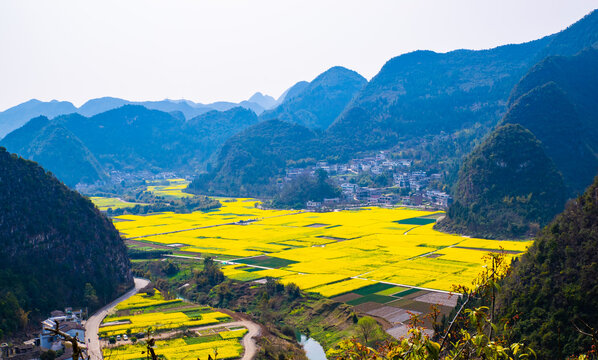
x=92 y=325
x=253 y=330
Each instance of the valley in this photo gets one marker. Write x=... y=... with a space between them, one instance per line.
x=440 y=205
x=384 y=262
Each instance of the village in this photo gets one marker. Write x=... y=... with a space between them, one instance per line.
x=403 y=185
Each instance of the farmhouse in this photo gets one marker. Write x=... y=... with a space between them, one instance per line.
x=69 y=321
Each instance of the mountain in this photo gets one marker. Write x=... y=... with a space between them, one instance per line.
x=249 y=161
x=56 y=148
x=558 y=102
x=95 y=106
x=582 y=34
x=424 y=93
x=57 y=249
x=321 y=101
x=553 y=288
x=265 y=101
x=17 y=116
x=439 y=106
x=292 y=92
x=209 y=131
x=507 y=187
x=131 y=138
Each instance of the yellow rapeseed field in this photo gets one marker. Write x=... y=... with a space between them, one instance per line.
x=226 y=342
x=104 y=203
x=316 y=249
x=178 y=349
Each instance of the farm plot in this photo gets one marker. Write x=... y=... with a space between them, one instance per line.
x=168 y=319
x=174 y=188
x=330 y=253
x=104 y=203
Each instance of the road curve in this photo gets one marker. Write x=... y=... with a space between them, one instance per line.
x=92 y=325
x=248 y=342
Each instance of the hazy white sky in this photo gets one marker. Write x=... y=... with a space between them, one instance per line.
x=226 y=50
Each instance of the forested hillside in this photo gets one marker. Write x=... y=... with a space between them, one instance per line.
x=553 y=289
x=321 y=101
x=507 y=187
x=128 y=139
x=56 y=248
x=17 y=116
x=250 y=160
x=56 y=148
x=558 y=102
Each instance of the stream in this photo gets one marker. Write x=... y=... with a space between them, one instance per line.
x=313 y=349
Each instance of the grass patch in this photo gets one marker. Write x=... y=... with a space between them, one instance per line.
x=391 y=291
x=266 y=261
x=201 y=339
x=416 y=221
x=372 y=289
x=406 y=292
x=380 y=299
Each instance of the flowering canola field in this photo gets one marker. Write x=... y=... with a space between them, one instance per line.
x=169 y=315
x=329 y=253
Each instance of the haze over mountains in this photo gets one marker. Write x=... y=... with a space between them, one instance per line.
x=434 y=106
x=15 y=117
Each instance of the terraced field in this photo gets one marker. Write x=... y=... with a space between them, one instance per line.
x=168 y=319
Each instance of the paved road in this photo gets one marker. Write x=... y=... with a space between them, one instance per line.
x=249 y=344
x=92 y=325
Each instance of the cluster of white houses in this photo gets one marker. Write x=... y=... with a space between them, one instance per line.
x=69 y=322
x=413 y=185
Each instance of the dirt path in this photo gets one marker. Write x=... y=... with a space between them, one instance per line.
x=92 y=325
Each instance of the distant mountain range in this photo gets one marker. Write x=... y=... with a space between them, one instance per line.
x=15 y=117
x=437 y=106
x=131 y=138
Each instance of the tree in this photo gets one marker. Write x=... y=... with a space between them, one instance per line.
x=368 y=330
x=90 y=296
x=48 y=355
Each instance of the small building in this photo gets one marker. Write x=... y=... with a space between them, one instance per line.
x=312 y=205
x=331 y=201
x=69 y=321
x=19 y=352
x=349 y=188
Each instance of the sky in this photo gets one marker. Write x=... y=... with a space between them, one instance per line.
x=226 y=50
